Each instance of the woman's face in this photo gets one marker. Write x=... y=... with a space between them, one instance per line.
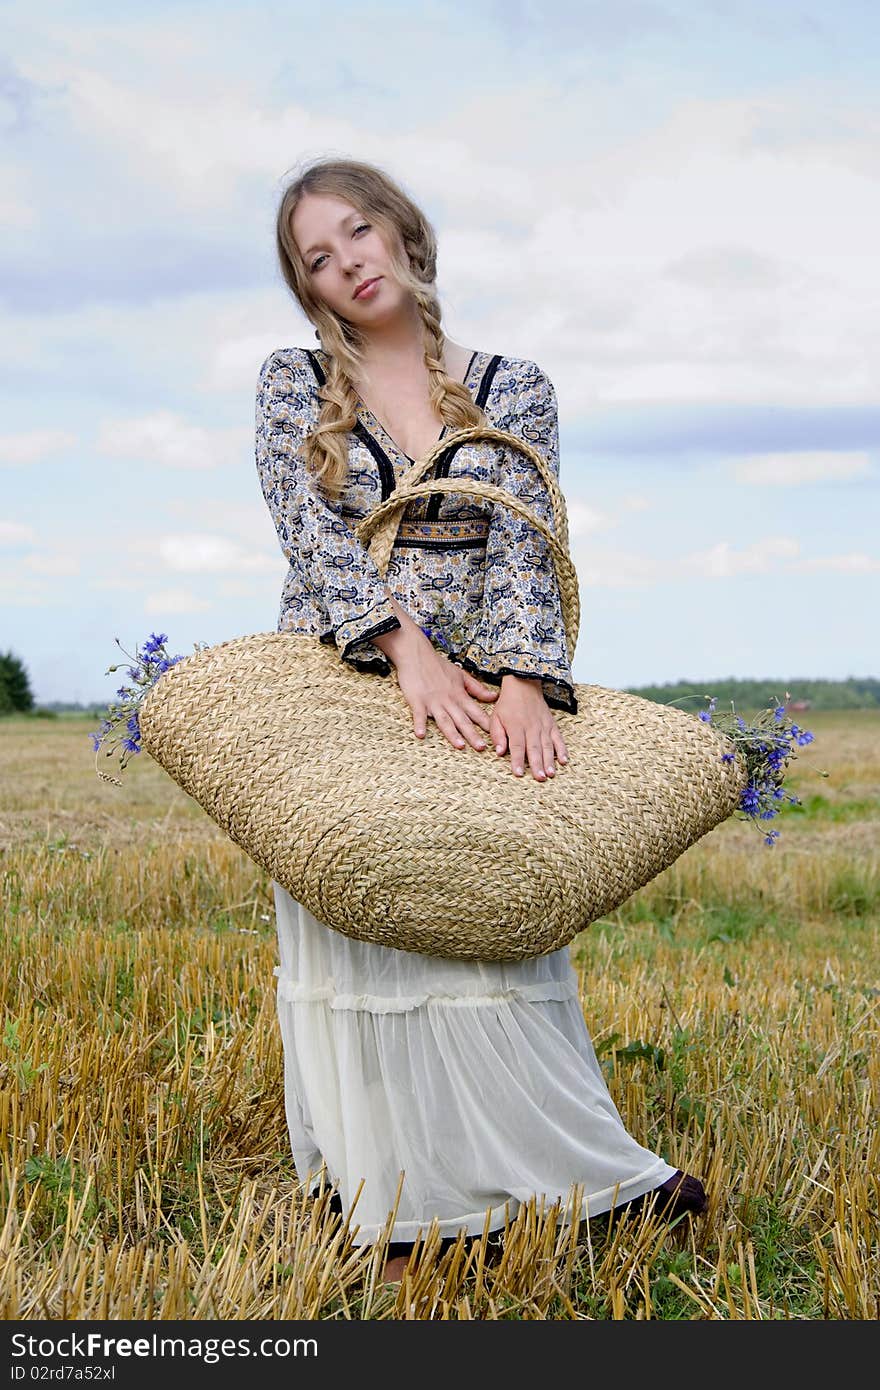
x=341 y=249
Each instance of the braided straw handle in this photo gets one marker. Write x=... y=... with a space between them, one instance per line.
x=380 y=527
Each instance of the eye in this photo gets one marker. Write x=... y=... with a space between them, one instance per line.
x=361 y=227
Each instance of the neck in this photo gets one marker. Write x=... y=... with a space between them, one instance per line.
x=399 y=342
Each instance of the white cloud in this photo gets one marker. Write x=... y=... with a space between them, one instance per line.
x=856 y=562
x=198 y=553
x=32 y=446
x=721 y=561
x=812 y=466
x=583 y=519
x=16 y=533
x=18 y=591
x=166 y=439
x=53 y=562
x=165 y=601
x=617 y=569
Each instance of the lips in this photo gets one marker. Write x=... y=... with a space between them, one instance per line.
x=365 y=285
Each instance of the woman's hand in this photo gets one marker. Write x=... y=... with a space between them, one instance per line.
x=433 y=686
x=522 y=721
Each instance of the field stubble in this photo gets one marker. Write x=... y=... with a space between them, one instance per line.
x=734 y=1003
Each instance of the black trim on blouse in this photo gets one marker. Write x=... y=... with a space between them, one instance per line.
x=441 y=467
x=384 y=464
x=386 y=625
x=567 y=702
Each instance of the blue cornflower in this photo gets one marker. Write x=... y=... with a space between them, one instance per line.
x=779 y=712
x=727 y=757
x=133 y=726
x=771 y=837
x=705 y=716
x=166 y=663
x=131 y=745
x=434 y=636
x=805 y=737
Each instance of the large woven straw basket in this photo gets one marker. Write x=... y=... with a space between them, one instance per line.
x=312 y=768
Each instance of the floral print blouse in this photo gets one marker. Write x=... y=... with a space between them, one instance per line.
x=479 y=578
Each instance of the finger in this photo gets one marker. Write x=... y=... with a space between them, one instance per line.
x=536 y=755
x=420 y=722
x=548 y=758
x=477 y=714
x=517 y=751
x=476 y=687
x=447 y=727
x=498 y=735
x=559 y=744
x=473 y=736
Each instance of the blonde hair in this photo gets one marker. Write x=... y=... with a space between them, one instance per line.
x=377 y=197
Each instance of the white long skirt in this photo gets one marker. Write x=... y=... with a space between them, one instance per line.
x=461 y=1087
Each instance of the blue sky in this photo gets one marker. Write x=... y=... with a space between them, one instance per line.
x=672 y=207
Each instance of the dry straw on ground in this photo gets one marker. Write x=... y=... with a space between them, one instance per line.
x=735 y=1002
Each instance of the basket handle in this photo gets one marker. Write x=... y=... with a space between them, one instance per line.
x=379 y=528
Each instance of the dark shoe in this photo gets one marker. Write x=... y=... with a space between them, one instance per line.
x=680 y=1195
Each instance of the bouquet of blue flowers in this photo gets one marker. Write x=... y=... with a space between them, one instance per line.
x=119 y=732
x=767 y=745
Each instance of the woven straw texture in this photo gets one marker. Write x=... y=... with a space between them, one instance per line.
x=312 y=767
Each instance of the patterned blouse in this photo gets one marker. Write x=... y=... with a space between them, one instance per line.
x=479 y=578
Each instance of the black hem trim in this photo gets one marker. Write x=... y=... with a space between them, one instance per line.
x=494 y=678
x=386 y=625
x=441 y=467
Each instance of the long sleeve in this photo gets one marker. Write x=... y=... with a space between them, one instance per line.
x=333 y=564
x=521 y=629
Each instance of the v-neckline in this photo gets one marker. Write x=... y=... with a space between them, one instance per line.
x=374 y=425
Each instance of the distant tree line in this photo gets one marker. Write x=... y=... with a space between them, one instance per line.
x=856 y=692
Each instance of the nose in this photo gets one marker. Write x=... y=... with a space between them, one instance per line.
x=351 y=260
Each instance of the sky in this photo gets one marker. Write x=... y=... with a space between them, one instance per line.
x=672 y=206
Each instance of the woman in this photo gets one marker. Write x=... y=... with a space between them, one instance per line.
x=432 y=1088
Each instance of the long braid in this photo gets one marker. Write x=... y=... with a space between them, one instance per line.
x=326 y=448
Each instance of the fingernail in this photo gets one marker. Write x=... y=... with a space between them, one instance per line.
x=551 y=771
x=498 y=747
